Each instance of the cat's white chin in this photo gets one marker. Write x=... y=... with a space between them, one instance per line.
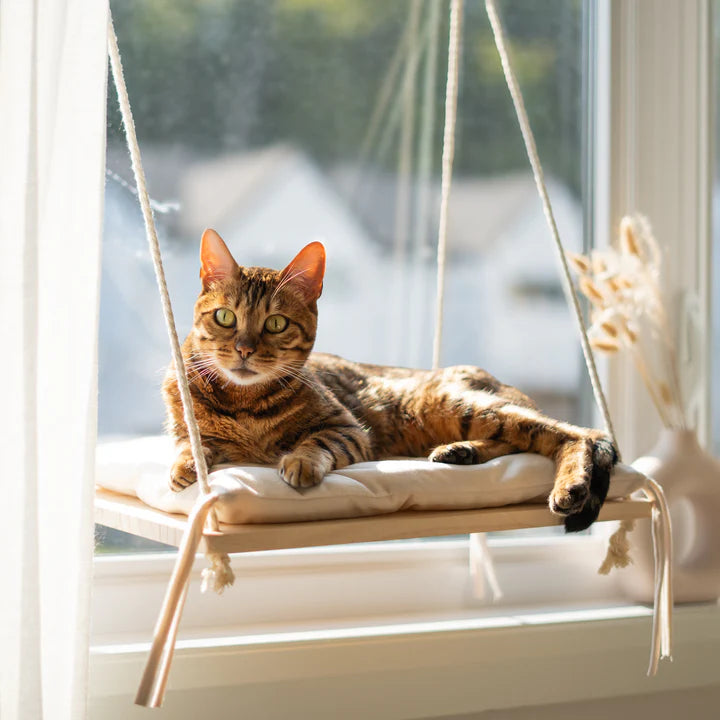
x=242 y=376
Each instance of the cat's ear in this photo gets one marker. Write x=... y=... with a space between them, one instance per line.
x=305 y=272
x=216 y=262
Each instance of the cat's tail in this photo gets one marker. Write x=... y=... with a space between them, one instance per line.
x=605 y=458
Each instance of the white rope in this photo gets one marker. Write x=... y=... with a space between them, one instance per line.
x=151 y=690
x=538 y=175
x=661 y=528
x=448 y=153
x=663 y=595
x=482 y=569
x=151 y=233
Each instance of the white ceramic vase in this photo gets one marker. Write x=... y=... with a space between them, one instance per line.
x=690 y=478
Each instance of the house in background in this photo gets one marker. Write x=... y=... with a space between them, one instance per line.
x=505 y=282
x=504 y=308
x=267 y=205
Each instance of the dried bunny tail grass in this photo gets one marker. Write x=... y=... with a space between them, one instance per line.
x=646 y=239
x=630 y=333
x=628 y=243
x=638 y=240
x=605 y=344
x=610 y=328
x=591 y=291
x=599 y=263
x=614 y=284
x=608 y=322
x=579 y=262
x=666 y=394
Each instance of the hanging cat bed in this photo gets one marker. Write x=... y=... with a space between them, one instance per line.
x=235 y=510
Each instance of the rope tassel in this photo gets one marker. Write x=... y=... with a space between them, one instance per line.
x=219 y=575
x=618 y=552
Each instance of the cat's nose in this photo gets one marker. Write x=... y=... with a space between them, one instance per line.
x=245 y=349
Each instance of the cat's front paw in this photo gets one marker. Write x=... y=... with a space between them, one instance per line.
x=182 y=474
x=300 y=472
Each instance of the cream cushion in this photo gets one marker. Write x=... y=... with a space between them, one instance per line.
x=256 y=494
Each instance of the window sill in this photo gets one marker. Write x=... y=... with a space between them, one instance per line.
x=423 y=669
x=348 y=585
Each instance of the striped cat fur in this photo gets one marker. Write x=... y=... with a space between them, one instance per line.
x=262 y=396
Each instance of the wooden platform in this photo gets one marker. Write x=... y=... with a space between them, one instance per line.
x=132 y=516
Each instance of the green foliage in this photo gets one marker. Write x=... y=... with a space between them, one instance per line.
x=228 y=75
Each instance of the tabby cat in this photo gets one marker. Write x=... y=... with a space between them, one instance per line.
x=261 y=396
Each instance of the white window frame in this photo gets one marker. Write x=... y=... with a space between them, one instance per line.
x=653 y=92
x=654 y=154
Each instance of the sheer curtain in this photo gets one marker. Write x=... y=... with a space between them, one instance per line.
x=52 y=141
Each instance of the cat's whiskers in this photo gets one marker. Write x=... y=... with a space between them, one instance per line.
x=280 y=377
x=206 y=376
x=201 y=358
x=301 y=377
x=202 y=366
x=207 y=365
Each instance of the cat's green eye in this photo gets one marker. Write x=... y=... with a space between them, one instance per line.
x=276 y=323
x=225 y=317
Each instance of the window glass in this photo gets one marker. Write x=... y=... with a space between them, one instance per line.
x=278 y=122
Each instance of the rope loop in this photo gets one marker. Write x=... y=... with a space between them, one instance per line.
x=154 y=245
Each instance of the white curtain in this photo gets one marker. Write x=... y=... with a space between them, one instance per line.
x=52 y=145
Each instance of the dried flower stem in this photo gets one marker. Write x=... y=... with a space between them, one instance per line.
x=649 y=381
x=669 y=356
x=628 y=311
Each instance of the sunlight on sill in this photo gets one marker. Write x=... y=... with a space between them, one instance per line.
x=393 y=629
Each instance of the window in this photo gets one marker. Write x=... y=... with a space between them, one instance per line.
x=281 y=122
x=659 y=102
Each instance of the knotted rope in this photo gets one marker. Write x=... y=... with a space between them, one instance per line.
x=220 y=575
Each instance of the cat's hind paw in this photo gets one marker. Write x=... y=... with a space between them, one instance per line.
x=471 y=452
x=457 y=453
